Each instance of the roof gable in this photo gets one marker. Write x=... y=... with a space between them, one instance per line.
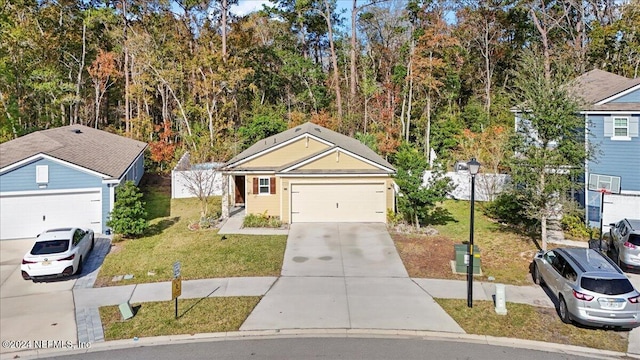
x=318 y=132
x=599 y=90
x=336 y=159
x=92 y=149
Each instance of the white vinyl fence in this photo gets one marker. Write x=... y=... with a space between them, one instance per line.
x=187 y=179
x=488 y=186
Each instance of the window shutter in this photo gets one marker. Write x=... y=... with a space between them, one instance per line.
x=255 y=185
x=633 y=127
x=272 y=185
x=608 y=126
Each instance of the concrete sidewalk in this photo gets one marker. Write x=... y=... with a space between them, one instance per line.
x=90 y=299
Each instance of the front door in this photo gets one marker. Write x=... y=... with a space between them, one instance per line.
x=239 y=190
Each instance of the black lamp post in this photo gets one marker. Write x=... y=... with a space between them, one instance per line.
x=474 y=167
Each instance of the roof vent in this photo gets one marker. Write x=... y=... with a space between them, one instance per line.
x=317 y=129
x=76 y=131
x=298 y=129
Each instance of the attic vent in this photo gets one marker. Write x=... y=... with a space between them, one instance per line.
x=77 y=131
x=298 y=129
x=317 y=129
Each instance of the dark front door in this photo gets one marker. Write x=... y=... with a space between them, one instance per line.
x=239 y=181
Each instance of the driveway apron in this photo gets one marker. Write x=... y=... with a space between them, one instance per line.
x=345 y=276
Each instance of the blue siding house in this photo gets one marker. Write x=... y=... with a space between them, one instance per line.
x=611 y=112
x=64 y=177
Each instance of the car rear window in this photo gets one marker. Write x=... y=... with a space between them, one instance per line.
x=50 y=247
x=607 y=286
x=634 y=239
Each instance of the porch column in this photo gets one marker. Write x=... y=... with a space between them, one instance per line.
x=225 y=196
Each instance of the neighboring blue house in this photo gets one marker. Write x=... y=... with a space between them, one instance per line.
x=611 y=112
x=64 y=177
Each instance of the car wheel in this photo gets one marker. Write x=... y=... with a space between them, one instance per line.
x=79 y=270
x=563 y=311
x=536 y=275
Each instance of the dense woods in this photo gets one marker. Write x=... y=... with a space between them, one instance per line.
x=192 y=75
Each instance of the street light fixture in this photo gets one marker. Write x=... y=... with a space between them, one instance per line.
x=474 y=167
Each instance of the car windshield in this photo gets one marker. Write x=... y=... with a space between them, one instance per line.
x=50 y=247
x=634 y=239
x=607 y=286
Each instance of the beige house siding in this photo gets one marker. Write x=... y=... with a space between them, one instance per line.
x=338 y=161
x=287 y=154
x=287 y=182
x=259 y=203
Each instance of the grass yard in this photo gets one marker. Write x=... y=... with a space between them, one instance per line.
x=505 y=255
x=530 y=323
x=214 y=314
x=202 y=253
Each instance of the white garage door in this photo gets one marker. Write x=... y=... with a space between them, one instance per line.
x=25 y=216
x=350 y=202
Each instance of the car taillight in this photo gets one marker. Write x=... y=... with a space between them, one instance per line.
x=68 y=258
x=634 y=300
x=24 y=262
x=629 y=245
x=581 y=296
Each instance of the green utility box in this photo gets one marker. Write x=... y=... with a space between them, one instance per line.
x=461 y=266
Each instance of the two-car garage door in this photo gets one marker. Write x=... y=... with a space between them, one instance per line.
x=338 y=202
x=25 y=216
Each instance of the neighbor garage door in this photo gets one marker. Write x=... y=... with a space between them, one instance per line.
x=25 y=216
x=348 y=202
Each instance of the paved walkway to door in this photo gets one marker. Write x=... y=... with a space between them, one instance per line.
x=346 y=276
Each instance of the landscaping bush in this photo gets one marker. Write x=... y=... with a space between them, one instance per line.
x=261 y=220
x=574 y=226
x=506 y=208
x=128 y=217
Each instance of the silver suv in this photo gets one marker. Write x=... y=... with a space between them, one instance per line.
x=590 y=288
x=624 y=243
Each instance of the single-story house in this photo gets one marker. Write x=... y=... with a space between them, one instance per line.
x=63 y=177
x=310 y=174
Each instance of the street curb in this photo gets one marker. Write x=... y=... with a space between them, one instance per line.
x=325 y=333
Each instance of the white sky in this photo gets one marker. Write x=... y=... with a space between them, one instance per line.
x=245 y=7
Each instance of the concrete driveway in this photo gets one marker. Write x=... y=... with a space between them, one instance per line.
x=345 y=276
x=341 y=249
x=32 y=311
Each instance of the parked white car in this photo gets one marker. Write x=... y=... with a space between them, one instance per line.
x=58 y=252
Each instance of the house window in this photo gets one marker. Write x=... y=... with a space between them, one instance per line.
x=42 y=174
x=621 y=127
x=264 y=186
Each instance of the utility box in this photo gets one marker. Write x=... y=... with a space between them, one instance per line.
x=126 y=311
x=461 y=259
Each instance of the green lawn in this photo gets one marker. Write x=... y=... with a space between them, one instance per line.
x=202 y=253
x=531 y=323
x=217 y=314
x=505 y=255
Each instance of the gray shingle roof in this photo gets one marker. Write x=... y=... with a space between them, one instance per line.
x=90 y=148
x=597 y=85
x=335 y=138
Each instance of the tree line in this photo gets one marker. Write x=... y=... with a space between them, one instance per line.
x=185 y=74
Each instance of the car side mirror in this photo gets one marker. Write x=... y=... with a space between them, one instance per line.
x=612 y=224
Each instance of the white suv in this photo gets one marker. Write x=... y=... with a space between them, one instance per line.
x=624 y=243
